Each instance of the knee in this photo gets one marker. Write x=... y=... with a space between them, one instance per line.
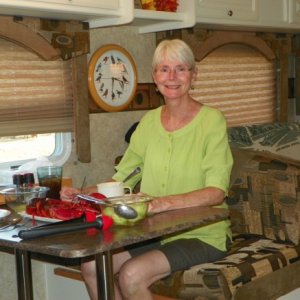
x=129 y=279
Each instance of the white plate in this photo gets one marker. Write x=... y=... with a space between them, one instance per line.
x=4 y=213
x=38 y=218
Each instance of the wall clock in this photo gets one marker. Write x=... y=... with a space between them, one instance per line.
x=112 y=78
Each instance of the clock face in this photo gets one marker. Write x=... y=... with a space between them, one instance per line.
x=112 y=78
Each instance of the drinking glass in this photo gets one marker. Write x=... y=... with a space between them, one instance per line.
x=51 y=176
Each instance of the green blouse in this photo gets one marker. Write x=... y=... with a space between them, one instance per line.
x=195 y=156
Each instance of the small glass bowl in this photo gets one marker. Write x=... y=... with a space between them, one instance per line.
x=17 y=198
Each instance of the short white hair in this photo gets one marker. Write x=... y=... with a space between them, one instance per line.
x=173 y=50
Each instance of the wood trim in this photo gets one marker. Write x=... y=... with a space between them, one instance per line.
x=81 y=109
x=284 y=84
x=146 y=97
x=297 y=84
x=68 y=273
x=222 y=38
x=29 y=39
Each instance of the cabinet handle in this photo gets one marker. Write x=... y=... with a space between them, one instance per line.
x=230 y=13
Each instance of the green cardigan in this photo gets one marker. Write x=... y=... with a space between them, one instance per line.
x=195 y=156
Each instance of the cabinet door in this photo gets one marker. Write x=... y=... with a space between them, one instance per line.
x=228 y=10
x=294 y=11
x=105 y=4
x=274 y=12
x=101 y=4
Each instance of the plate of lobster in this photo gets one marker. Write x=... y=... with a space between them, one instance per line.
x=37 y=218
x=53 y=210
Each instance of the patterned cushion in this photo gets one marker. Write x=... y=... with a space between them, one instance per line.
x=250 y=258
x=264 y=198
x=281 y=139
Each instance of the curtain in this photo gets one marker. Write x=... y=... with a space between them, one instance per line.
x=36 y=96
x=239 y=81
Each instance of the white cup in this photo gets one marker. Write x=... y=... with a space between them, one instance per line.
x=113 y=189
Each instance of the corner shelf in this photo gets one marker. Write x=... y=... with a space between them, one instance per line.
x=153 y=21
x=150 y=20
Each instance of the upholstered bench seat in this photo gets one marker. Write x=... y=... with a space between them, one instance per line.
x=250 y=258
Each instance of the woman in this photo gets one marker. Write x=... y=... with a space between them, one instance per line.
x=183 y=151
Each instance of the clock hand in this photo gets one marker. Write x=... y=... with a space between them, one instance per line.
x=121 y=82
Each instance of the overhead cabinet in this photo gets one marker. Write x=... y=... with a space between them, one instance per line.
x=227 y=11
x=110 y=4
x=101 y=13
x=294 y=12
x=106 y=12
x=279 y=15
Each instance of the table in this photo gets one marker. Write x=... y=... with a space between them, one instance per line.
x=101 y=245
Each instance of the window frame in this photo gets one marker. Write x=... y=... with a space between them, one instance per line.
x=61 y=153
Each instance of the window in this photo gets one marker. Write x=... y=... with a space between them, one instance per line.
x=239 y=81
x=36 y=96
x=56 y=147
x=17 y=150
x=36 y=107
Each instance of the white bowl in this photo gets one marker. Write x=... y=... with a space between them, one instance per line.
x=4 y=213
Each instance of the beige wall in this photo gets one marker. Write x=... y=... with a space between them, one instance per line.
x=107 y=137
x=108 y=129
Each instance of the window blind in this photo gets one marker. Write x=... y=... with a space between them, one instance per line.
x=36 y=96
x=239 y=81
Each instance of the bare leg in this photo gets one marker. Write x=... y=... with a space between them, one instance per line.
x=137 y=274
x=88 y=271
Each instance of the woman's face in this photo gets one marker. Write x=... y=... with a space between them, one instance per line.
x=173 y=79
